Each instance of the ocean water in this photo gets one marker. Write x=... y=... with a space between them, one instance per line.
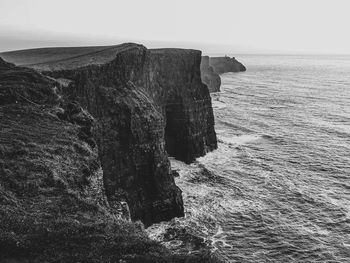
x=277 y=189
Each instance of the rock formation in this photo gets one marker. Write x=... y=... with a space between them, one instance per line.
x=185 y=101
x=129 y=132
x=148 y=103
x=211 y=67
x=116 y=112
x=226 y=64
x=209 y=77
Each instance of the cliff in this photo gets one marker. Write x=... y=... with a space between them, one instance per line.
x=209 y=77
x=129 y=131
x=53 y=206
x=93 y=135
x=211 y=67
x=185 y=101
x=147 y=103
x=226 y=64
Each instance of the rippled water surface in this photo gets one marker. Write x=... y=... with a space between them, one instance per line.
x=278 y=187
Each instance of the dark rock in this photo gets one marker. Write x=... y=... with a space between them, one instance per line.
x=226 y=64
x=175 y=173
x=185 y=101
x=146 y=103
x=209 y=77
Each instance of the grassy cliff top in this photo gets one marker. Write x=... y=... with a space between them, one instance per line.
x=63 y=58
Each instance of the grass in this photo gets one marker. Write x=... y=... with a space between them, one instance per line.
x=47 y=59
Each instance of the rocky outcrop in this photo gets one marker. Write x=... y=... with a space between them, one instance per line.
x=226 y=64
x=129 y=132
x=185 y=102
x=56 y=203
x=211 y=67
x=209 y=77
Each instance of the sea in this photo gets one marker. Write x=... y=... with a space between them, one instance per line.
x=277 y=189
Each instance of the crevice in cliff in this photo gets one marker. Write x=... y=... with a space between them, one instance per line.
x=175 y=131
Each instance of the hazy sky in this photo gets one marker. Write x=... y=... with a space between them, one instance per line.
x=222 y=26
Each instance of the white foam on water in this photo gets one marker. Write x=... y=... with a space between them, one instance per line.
x=218 y=104
x=240 y=140
x=219 y=240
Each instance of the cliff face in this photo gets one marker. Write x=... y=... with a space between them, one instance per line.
x=56 y=201
x=185 y=101
x=209 y=77
x=52 y=202
x=147 y=103
x=211 y=67
x=129 y=133
x=226 y=64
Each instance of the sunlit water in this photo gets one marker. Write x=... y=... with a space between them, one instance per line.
x=278 y=187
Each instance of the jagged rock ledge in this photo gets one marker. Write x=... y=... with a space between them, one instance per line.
x=212 y=67
x=115 y=108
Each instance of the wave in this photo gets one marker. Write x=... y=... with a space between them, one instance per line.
x=234 y=126
x=276 y=189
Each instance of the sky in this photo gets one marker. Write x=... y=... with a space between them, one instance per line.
x=215 y=26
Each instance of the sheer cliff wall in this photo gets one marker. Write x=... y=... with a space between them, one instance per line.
x=147 y=104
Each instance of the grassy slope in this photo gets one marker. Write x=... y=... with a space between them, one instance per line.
x=52 y=204
x=45 y=59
